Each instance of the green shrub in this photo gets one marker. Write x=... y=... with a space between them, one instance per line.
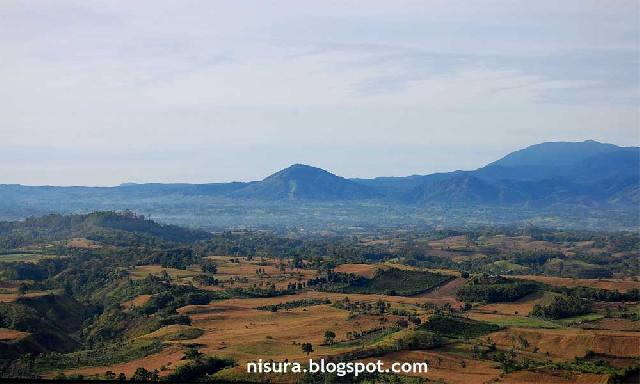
x=458 y=327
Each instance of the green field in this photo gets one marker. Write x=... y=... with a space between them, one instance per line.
x=24 y=257
x=523 y=322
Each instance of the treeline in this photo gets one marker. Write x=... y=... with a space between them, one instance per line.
x=457 y=327
x=561 y=307
x=493 y=288
x=597 y=294
x=294 y=304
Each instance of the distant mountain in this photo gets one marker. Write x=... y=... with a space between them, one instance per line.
x=587 y=161
x=555 y=154
x=468 y=189
x=301 y=181
x=395 y=185
x=459 y=188
x=558 y=176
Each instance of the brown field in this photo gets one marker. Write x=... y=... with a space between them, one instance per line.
x=365 y=270
x=83 y=243
x=139 y=301
x=170 y=357
x=542 y=376
x=244 y=275
x=12 y=334
x=612 y=324
x=448 y=366
x=519 y=243
x=173 y=332
x=619 y=284
x=445 y=293
x=571 y=342
x=519 y=307
x=235 y=328
x=11 y=297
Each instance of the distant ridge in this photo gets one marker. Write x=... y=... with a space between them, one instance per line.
x=557 y=153
x=554 y=175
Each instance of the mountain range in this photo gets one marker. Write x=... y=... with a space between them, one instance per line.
x=542 y=176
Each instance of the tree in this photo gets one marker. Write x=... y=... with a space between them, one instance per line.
x=307 y=348
x=122 y=377
x=141 y=374
x=109 y=375
x=192 y=354
x=209 y=266
x=329 y=337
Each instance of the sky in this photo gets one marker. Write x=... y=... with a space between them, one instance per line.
x=106 y=92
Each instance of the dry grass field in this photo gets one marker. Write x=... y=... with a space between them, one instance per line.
x=235 y=328
x=542 y=376
x=169 y=358
x=366 y=270
x=136 y=302
x=612 y=284
x=13 y=296
x=448 y=366
x=12 y=334
x=519 y=307
x=445 y=293
x=83 y=243
x=569 y=343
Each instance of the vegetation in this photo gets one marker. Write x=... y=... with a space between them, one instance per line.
x=458 y=327
x=294 y=304
x=104 y=289
x=392 y=281
x=561 y=307
x=199 y=368
x=492 y=289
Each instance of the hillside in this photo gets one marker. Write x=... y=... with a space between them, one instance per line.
x=305 y=182
x=110 y=227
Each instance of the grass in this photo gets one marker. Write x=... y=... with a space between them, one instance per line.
x=268 y=347
x=522 y=322
x=175 y=332
x=112 y=354
x=25 y=257
x=580 y=318
x=294 y=304
x=366 y=340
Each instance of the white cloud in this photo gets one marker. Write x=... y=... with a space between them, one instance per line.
x=426 y=84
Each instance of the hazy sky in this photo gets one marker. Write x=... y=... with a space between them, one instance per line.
x=104 y=92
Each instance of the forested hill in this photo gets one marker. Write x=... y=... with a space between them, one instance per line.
x=108 y=226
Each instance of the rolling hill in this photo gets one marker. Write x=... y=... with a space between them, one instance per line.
x=305 y=182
